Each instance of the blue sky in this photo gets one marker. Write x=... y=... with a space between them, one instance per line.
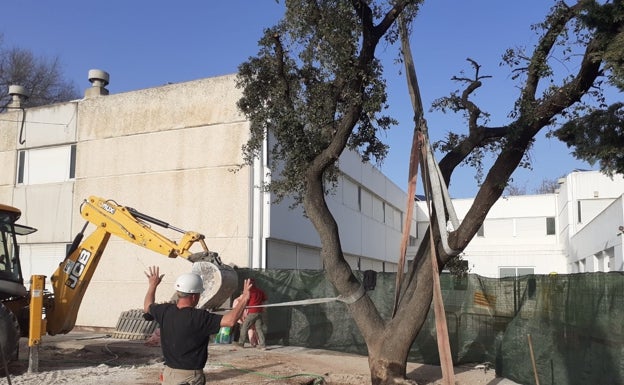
x=144 y=44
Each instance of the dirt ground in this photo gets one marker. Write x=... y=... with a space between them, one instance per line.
x=86 y=357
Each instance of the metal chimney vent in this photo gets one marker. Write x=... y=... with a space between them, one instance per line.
x=18 y=94
x=99 y=80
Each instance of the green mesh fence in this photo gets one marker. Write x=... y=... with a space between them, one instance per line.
x=575 y=322
x=576 y=327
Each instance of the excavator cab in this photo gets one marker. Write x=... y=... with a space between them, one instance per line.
x=11 y=279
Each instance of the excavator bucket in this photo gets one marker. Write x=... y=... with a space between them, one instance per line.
x=220 y=282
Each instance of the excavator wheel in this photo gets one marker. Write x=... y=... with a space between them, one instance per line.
x=9 y=335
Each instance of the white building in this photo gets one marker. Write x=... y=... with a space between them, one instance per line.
x=591 y=216
x=575 y=229
x=170 y=152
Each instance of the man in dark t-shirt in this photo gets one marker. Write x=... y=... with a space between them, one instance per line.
x=184 y=329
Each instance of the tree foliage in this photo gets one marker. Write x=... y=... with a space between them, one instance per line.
x=312 y=78
x=598 y=136
x=42 y=77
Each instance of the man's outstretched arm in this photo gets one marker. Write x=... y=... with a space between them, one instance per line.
x=230 y=318
x=154 y=278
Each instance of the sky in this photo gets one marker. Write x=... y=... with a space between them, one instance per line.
x=149 y=43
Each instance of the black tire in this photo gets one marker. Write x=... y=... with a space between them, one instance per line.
x=9 y=334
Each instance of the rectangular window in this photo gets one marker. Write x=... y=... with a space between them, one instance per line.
x=383 y=210
x=525 y=271
x=504 y=272
x=481 y=232
x=578 y=211
x=378 y=209
x=359 y=198
x=412 y=241
x=72 y=162
x=550 y=226
x=20 y=167
x=514 y=271
x=46 y=165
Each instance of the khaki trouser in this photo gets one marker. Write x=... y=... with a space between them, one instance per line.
x=172 y=376
x=256 y=320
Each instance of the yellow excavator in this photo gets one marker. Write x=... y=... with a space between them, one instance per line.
x=36 y=311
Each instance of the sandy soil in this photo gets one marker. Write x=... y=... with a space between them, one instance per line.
x=95 y=358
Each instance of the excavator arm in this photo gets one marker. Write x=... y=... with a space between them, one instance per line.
x=73 y=275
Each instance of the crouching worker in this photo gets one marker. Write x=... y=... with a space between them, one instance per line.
x=185 y=330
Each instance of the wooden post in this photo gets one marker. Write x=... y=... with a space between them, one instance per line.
x=444 y=345
x=533 y=360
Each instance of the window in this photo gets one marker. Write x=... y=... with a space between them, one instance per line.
x=481 y=232
x=524 y=271
x=550 y=226
x=412 y=241
x=578 y=210
x=379 y=209
x=514 y=271
x=46 y=165
x=72 y=162
x=383 y=210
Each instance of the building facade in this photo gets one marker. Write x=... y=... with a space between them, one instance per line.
x=174 y=153
x=591 y=221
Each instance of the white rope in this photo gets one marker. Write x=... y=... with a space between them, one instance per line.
x=441 y=199
x=348 y=300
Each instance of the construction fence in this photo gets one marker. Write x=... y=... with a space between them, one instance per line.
x=573 y=324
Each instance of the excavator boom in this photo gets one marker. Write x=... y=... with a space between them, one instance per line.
x=73 y=275
x=39 y=312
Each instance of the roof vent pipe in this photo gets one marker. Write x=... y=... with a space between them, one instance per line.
x=99 y=80
x=18 y=96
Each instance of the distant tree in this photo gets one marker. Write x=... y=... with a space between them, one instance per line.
x=42 y=77
x=548 y=186
x=317 y=87
x=513 y=189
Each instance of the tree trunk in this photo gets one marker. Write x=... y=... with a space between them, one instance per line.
x=388 y=351
x=388 y=341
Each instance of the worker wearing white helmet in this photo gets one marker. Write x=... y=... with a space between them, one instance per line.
x=185 y=330
x=190 y=283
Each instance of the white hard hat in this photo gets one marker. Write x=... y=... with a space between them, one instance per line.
x=189 y=283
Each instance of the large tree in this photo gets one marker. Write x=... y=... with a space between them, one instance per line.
x=316 y=86
x=42 y=77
